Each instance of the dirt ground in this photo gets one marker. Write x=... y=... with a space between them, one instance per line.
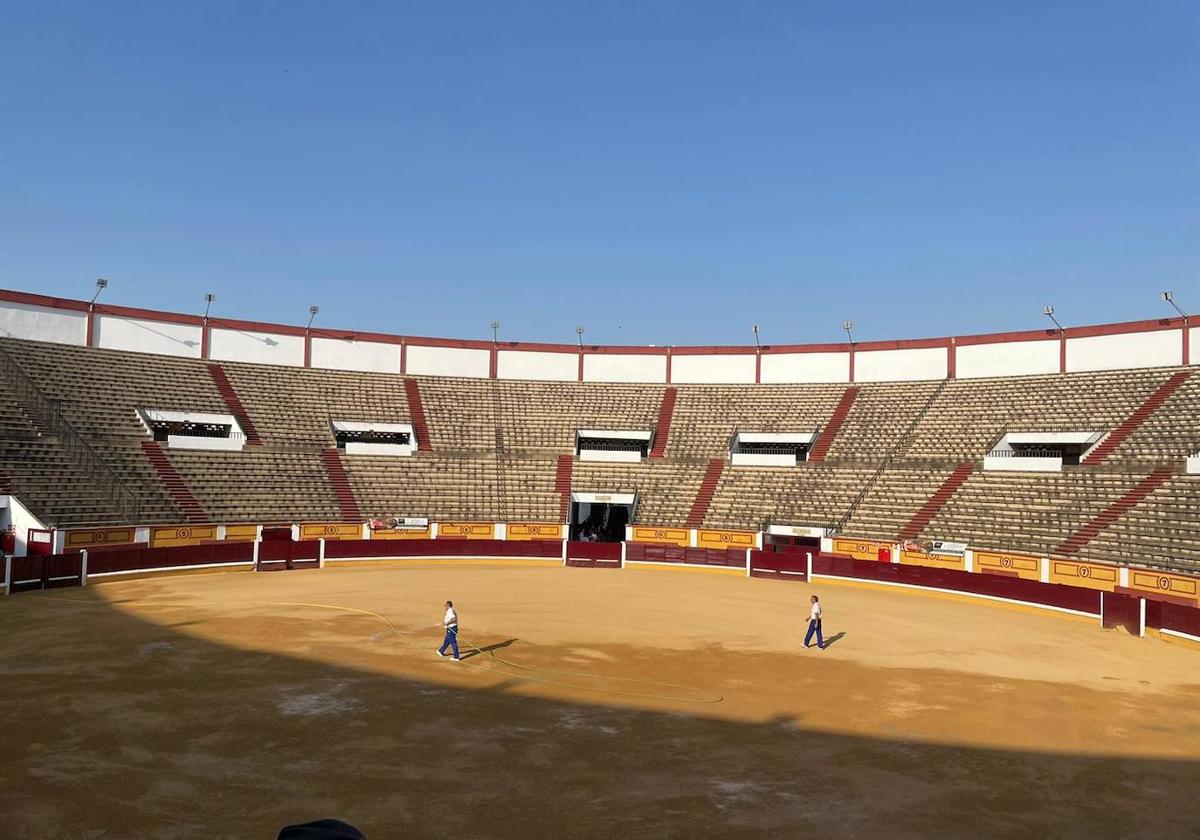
x=605 y=704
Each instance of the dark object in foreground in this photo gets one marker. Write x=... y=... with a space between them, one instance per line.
x=322 y=830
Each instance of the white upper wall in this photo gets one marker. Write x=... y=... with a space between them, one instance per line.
x=1161 y=348
x=1014 y=358
x=347 y=354
x=41 y=323
x=448 y=361
x=538 y=365
x=598 y=367
x=228 y=345
x=718 y=369
x=901 y=365
x=115 y=332
x=785 y=368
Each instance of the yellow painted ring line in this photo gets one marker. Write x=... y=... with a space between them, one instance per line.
x=715 y=698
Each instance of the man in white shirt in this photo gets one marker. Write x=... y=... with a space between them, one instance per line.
x=814 y=624
x=450 y=620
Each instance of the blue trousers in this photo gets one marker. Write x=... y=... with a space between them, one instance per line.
x=451 y=641
x=814 y=627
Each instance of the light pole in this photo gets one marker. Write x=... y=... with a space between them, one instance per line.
x=208 y=302
x=495 y=332
x=101 y=285
x=312 y=313
x=579 y=333
x=1169 y=297
x=757 y=343
x=848 y=326
x=1049 y=312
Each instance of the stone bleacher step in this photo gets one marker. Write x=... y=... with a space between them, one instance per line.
x=234 y=403
x=173 y=482
x=1139 y=416
x=1114 y=511
x=829 y=433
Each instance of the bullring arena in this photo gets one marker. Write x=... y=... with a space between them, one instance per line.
x=229 y=544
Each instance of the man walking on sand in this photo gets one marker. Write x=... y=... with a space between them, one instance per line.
x=450 y=621
x=814 y=624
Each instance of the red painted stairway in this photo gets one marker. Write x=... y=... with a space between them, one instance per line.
x=173 y=482
x=937 y=501
x=707 y=488
x=562 y=484
x=1116 y=510
x=1117 y=436
x=662 y=431
x=341 y=485
x=829 y=433
x=417 y=409
x=234 y=404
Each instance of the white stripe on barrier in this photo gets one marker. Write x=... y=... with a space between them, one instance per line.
x=171 y=569
x=31 y=580
x=958 y=592
x=778 y=571
x=329 y=560
x=65 y=577
x=687 y=565
x=1180 y=634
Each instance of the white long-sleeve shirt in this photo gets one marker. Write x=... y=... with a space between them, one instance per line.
x=815 y=614
x=451 y=619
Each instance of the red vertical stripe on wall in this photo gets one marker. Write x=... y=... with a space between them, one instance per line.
x=951 y=359
x=91 y=327
x=204 y=342
x=403 y=356
x=307 y=350
x=758 y=368
x=851 y=362
x=493 y=363
x=668 y=365
x=1062 y=354
x=1187 y=342
x=580 y=365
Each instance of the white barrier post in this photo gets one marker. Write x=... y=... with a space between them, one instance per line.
x=321 y=553
x=808 y=566
x=1141 y=617
x=748 y=562
x=1102 y=609
x=7 y=575
x=83 y=569
x=257 y=543
x=623 y=544
x=564 y=552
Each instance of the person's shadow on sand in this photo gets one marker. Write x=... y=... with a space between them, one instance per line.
x=487 y=649
x=836 y=637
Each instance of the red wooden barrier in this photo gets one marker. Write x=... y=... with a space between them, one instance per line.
x=278 y=555
x=650 y=553
x=778 y=565
x=594 y=555
x=148 y=559
x=46 y=571
x=1166 y=616
x=347 y=549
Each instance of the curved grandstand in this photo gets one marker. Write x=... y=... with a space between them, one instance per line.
x=915 y=459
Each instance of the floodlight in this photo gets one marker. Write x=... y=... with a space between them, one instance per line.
x=1169 y=297
x=101 y=285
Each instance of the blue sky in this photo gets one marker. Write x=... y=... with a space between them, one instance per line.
x=659 y=172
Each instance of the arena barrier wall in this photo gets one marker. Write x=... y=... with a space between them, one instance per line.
x=425 y=549
x=124 y=561
x=779 y=565
x=1173 y=619
x=675 y=555
x=46 y=571
x=593 y=555
x=278 y=555
x=1122 y=611
x=1054 y=596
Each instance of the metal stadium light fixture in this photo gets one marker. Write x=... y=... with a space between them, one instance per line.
x=208 y=302
x=848 y=326
x=579 y=332
x=495 y=331
x=312 y=313
x=1049 y=311
x=757 y=343
x=101 y=285
x=1169 y=297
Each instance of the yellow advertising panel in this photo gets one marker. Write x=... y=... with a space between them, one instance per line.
x=534 y=531
x=666 y=536
x=173 y=536
x=467 y=530
x=859 y=549
x=89 y=537
x=1175 y=586
x=1088 y=575
x=402 y=533
x=938 y=561
x=1018 y=565
x=241 y=533
x=331 y=531
x=724 y=539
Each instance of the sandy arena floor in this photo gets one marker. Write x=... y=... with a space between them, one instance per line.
x=610 y=704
